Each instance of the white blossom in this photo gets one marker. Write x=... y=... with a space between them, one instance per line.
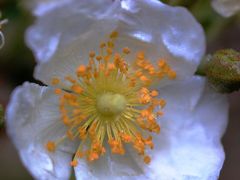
x=195 y=117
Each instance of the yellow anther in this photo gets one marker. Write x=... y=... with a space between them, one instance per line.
x=51 y=147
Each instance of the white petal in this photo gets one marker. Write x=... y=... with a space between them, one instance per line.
x=159 y=30
x=189 y=146
x=110 y=166
x=174 y=32
x=226 y=8
x=65 y=23
x=33 y=119
x=40 y=7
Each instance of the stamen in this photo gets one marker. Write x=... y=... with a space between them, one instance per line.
x=112 y=103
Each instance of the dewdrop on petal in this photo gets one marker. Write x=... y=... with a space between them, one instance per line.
x=111 y=102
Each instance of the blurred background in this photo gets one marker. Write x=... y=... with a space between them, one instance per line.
x=17 y=64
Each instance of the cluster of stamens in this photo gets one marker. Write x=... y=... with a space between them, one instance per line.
x=110 y=102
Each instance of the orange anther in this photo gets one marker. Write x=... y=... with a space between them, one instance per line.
x=51 y=146
x=154 y=93
x=160 y=113
x=172 y=74
x=55 y=81
x=92 y=54
x=58 y=91
x=147 y=159
x=144 y=78
x=93 y=156
x=110 y=44
x=126 y=50
x=81 y=70
x=162 y=103
x=139 y=73
x=74 y=163
x=111 y=66
x=114 y=34
x=126 y=138
x=102 y=45
x=161 y=63
x=70 y=79
x=140 y=55
x=98 y=58
x=77 y=89
x=109 y=51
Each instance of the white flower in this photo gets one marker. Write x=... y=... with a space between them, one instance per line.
x=226 y=8
x=194 y=120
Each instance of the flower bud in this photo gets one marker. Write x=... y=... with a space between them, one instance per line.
x=223 y=70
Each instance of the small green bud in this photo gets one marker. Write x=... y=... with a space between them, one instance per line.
x=223 y=70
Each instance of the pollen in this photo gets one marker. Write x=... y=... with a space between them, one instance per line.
x=110 y=103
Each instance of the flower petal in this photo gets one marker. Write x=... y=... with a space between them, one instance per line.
x=226 y=8
x=174 y=32
x=32 y=120
x=73 y=19
x=159 y=30
x=111 y=167
x=189 y=146
x=40 y=7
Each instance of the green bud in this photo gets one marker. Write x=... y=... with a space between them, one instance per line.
x=223 y=70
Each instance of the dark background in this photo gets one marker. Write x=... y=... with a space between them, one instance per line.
x=17 y=63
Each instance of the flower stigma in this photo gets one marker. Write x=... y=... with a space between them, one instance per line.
x=110 y=101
